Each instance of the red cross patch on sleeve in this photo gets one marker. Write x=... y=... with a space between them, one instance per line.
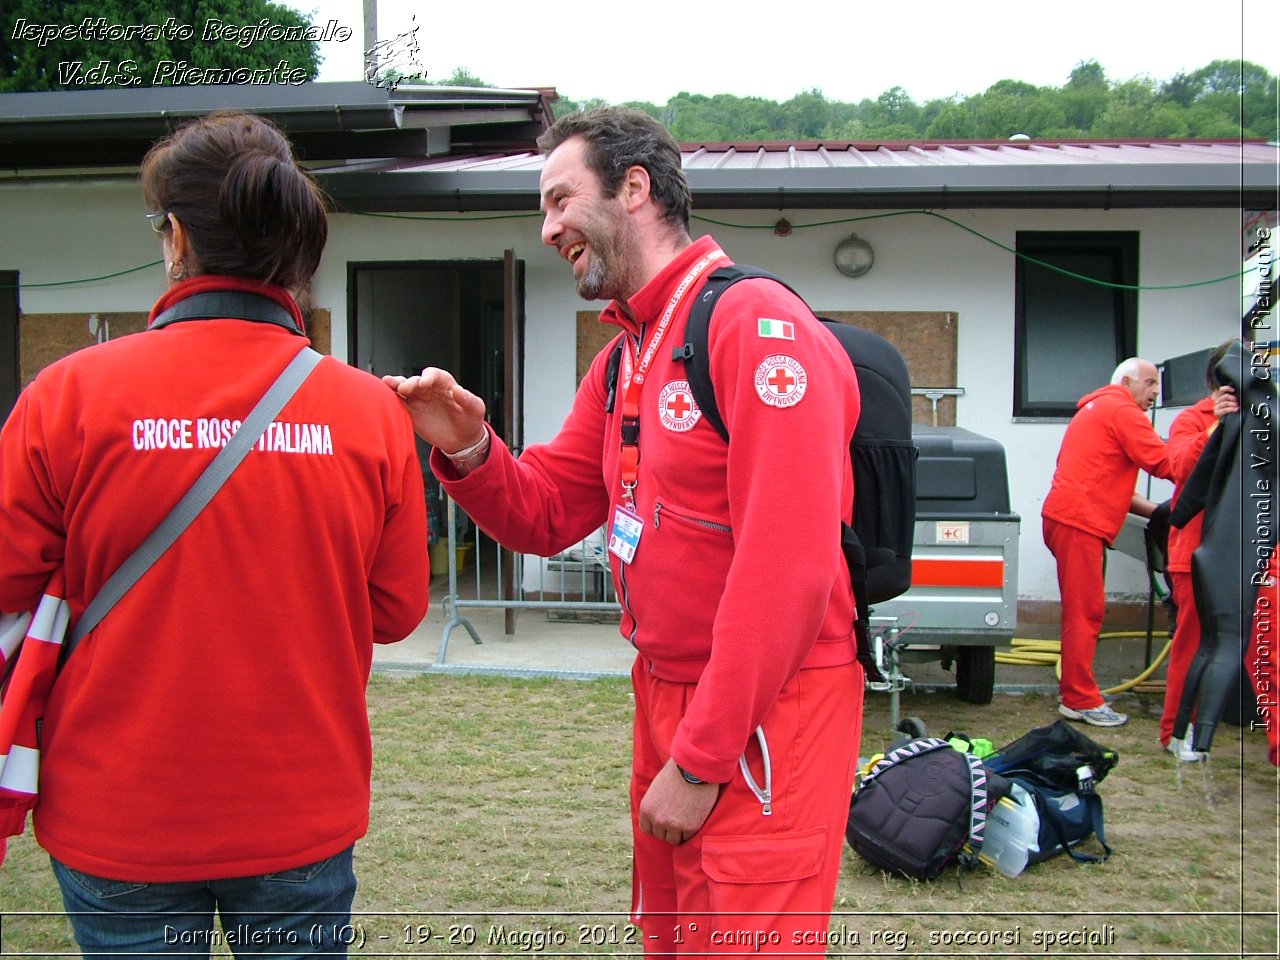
x=780 y=381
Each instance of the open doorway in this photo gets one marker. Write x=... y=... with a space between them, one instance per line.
x=465 y=316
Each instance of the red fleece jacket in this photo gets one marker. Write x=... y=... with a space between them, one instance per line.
x=1106 y=442
x=1187 y=436
x=738 y=580
x=214 y=724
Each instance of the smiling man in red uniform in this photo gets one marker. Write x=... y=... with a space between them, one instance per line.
x=726 y=557
x=1106 y=443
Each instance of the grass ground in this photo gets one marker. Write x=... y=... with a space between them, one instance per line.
x=500 y=826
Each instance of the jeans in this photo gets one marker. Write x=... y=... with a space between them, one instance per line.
x=304 y=912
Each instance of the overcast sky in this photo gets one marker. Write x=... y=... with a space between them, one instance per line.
x=849 y=50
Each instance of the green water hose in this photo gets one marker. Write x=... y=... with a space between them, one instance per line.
x=1029 y=652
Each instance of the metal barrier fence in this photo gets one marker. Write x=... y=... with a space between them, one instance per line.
x=576 y=581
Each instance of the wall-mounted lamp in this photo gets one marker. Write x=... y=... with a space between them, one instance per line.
x=854 y=256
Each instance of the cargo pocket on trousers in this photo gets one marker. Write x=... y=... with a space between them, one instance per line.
x=764 y=858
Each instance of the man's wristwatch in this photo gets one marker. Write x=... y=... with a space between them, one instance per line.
x=688 y=777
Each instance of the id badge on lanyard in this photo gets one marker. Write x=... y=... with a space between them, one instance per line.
x=624 y=534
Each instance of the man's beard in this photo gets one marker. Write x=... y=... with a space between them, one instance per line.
x=611 y=270
x=591 y=285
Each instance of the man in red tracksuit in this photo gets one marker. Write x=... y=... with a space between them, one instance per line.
x=726 y=557
x=1187 y=436
x=1105 y=444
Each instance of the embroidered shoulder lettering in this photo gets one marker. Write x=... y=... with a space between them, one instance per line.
x=213 y=433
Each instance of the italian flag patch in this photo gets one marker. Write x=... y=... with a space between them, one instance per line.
x=776 y=329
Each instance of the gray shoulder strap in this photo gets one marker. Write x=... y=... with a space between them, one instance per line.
x=196 y=498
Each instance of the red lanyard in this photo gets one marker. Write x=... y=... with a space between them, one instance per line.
x=634 y=380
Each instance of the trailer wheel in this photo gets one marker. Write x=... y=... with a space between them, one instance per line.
x=975 y=673
x=913 y=727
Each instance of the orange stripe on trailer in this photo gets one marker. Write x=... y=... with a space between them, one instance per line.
x=957 y=573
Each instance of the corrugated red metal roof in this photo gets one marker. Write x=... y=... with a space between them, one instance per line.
x=1021 y=173
x=959 y=153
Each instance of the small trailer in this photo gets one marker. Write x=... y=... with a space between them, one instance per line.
x=963 y=600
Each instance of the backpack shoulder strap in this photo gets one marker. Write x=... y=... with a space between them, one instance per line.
x=978 y=806
x=695 y=351
x=1093 y=803
x=612 y=371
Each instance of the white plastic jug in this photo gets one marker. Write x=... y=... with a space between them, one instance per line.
x=1012 y=834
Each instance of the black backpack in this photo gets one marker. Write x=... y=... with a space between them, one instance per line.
x=877 y=548
x=921 y=808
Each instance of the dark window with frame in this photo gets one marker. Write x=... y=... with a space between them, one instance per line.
x=1071 y=333
x=9 y=373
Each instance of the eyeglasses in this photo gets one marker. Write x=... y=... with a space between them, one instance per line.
x=159 y=220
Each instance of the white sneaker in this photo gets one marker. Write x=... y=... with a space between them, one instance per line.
x=1182 y=748
x=1103 y=716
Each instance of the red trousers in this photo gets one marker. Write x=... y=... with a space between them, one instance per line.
x=1080 y=584
x=751 y=882
x=1186 y=641
x=1263 y=660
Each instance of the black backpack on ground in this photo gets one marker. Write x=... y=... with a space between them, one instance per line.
x=877 y=548
x=922 y=808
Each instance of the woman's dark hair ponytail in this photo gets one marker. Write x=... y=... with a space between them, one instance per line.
x=248 y=208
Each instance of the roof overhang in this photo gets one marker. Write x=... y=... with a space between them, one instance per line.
x=325 y=121
x=424 y=148
x=1076 y=175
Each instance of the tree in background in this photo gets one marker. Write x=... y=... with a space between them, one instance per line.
x=1224 y=99
x=1227 y=89
x=461 y=77
x=1084 y=97
x=29 y=64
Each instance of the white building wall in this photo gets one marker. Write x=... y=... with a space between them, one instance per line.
x=73 y=230
x=87 y=228
x=926 y=263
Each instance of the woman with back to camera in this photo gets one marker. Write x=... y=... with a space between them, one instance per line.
x=206 y=749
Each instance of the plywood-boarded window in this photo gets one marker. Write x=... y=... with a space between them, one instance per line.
x=927 y=340
x=593 y=336
x=46 y=337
